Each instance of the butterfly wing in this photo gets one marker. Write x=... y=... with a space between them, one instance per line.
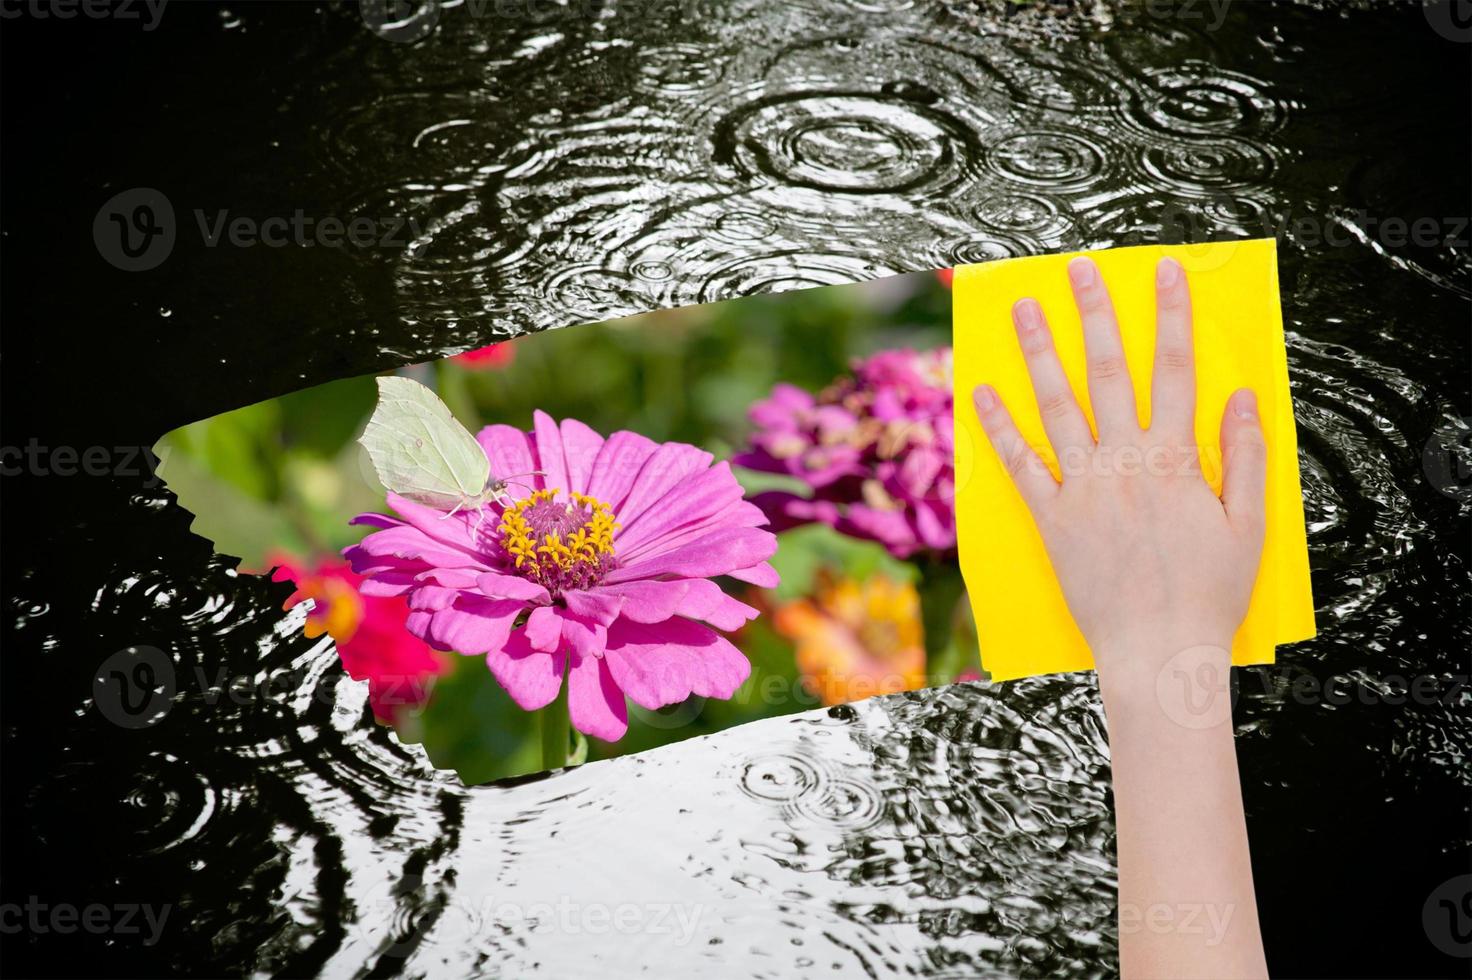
x=420 y=451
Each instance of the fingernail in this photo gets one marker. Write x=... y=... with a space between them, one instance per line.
x=1083 y=272
x=1246 y=405
x=1027 y=314
x=985 y=398
x=1167 y=273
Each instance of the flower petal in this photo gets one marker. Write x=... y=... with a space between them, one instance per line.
x=652 y=675
x=667 y=662
x=594 y=701
x=412 y=544
x=670 y=464
x=532 y=677
x=446 y=528
x=470 y=624
x=702 y=503
x=499 y=586
x=580 y=446
x=550 y=458
x=509 y=451
x=648 y=601
x=617 y=466
x=762 y=575
x=704 y=600
x=584 y=638
x=544 y=629
x=597 y=606
x=716 y=553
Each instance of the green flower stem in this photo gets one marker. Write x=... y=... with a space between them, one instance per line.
x=555 y=732
x=949 y=648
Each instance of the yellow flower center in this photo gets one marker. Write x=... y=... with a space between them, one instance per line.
x=561 y=545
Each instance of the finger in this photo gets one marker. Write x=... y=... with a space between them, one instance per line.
x=1031 y=474
x=1063 y=420
x=1110 y=390
x=1173 y=381
x=1244 y=464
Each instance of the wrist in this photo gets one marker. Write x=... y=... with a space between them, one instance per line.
x=1166 y=687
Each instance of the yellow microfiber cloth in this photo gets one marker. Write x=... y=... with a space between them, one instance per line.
x=1022 y=621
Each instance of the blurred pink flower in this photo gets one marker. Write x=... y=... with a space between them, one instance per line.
x=369 y=632
x=946 y=276
x=599 y=569
x=488 y=358
x=875 y=450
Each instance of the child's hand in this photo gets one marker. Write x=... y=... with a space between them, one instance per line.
x=1157 y=573
x=1150 y=561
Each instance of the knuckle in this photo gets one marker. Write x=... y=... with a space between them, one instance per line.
x=1174 y=358
x=1016 y=461
x=1053 y=406
x=1107 y=367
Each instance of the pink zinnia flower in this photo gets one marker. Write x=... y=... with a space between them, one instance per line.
x=490 y=357
x=369 y=633
x=875 y=449
x=598 y=570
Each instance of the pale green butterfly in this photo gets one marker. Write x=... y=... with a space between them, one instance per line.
x=421 y=453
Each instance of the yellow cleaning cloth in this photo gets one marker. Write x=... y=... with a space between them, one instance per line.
x=1022 y=621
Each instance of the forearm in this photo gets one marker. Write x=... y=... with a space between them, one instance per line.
x=1187 y=907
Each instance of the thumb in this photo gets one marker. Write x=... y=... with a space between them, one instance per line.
x=1244 y=464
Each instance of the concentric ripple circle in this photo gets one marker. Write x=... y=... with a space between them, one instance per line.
x=783 y=777
x=1050 y=159
x=848 y=143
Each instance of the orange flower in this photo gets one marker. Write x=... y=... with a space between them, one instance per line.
x=857 y=639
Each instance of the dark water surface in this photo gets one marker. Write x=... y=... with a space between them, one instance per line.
x=565 y=164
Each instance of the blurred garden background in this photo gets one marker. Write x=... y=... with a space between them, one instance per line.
x=857 y=613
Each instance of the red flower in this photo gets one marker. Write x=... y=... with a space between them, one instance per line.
x=369 y=630
x=489 y=358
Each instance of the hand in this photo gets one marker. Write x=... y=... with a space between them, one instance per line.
x=1157 y=572
x=1151 y=562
